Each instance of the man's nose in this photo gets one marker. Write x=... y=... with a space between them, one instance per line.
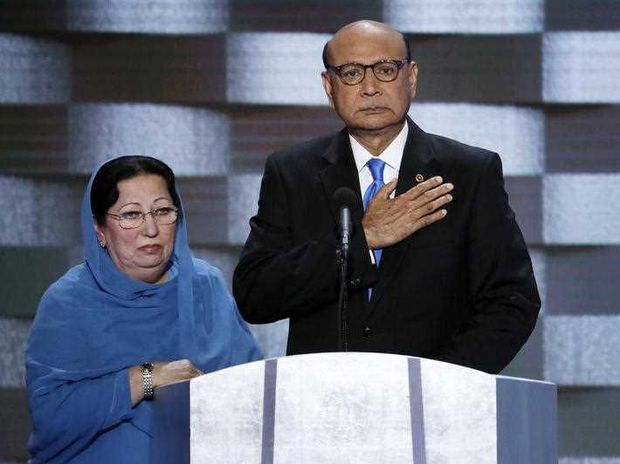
x=370 y=83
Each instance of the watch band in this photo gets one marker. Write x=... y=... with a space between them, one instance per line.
x=147 y=380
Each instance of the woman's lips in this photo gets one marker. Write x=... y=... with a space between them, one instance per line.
x=150 y=248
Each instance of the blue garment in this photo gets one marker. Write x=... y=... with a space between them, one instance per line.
x=94 y=323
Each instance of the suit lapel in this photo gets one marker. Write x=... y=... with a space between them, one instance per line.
x=340 y=171
x=418 y=160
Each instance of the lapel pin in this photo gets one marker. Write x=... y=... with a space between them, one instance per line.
x=419 y=178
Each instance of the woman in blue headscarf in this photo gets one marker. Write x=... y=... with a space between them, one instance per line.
x=138 y=314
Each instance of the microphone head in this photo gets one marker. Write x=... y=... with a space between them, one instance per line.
x=344 y=197
x=343 y=201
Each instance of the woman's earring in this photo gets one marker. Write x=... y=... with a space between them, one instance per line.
x=102 y=244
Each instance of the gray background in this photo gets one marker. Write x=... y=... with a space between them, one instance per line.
x=213 y=86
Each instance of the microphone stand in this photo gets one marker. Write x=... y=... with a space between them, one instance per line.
x=342 y=254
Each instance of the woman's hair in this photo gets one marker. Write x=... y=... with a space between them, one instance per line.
x=104 y=192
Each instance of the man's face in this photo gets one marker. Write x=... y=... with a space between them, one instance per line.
x=371 y=105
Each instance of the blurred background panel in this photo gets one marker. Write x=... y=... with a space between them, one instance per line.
x=478 y=68
x=275 y=67
x=193 y=141
x=582 y=138
x=214 y=86
x=293 y=15
x=581 y=67
x=171 y=69
x=472 y=17
x=260 y=130
x=34 y=139
x=582 y=15
x=582 y=209
x=161 y=17
x=34 y=70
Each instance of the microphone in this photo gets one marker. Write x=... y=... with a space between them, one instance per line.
x=344 y=200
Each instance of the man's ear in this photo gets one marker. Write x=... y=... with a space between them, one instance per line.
x=412 y=75
x=327 y=85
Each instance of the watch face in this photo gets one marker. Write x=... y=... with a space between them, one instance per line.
x=147 y=367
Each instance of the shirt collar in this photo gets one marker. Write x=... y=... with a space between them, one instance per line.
x=392 y=155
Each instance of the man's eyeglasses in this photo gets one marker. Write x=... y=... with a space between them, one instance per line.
x=163 y=216
x=354 y=73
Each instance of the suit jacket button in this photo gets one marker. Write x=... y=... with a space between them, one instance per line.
x=367 y=332
x=355 y=282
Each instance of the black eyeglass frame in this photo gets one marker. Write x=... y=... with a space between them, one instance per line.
x=398 y=63
x=119 y=218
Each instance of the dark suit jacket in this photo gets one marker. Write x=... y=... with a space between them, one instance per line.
x=461 y=290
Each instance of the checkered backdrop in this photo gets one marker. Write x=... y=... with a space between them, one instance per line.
x=213 y=86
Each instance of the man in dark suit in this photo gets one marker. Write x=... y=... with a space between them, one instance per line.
x=449 y=274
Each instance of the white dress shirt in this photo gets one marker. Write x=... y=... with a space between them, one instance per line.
x=391 y=156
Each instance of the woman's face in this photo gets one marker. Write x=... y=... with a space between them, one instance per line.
x=141 y=253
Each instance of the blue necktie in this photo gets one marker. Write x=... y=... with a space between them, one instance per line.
x=376 y=169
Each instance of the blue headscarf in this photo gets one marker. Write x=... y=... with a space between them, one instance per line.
x=95 y=322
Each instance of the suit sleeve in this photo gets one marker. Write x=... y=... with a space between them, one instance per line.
x=279 y=276
x=502 y=288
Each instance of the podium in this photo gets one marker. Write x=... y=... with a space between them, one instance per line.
x=355 y=408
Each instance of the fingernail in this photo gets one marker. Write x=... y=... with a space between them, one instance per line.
x=438 y=179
